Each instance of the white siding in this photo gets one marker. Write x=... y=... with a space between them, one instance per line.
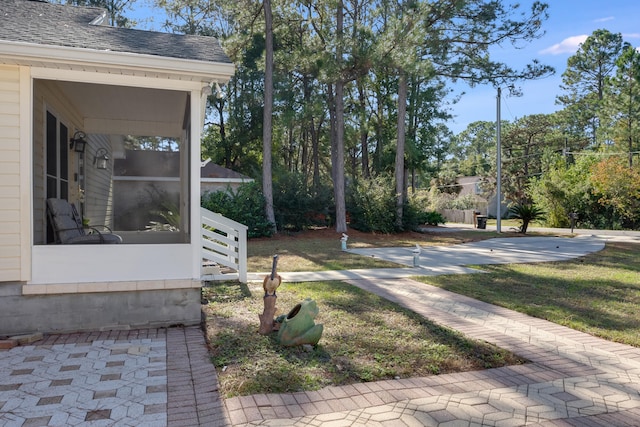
x=10 y=179
x=98 y=183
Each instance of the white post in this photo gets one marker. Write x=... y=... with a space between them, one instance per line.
x=343 y=241
x=242 y=255
x=499 y=165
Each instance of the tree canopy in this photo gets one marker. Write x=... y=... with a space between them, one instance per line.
x=334 y=97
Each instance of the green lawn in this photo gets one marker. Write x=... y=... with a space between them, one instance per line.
x=365 y=338
x=598 y=294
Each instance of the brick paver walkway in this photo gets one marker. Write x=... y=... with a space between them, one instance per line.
x=150 y=377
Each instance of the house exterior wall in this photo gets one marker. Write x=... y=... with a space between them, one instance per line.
x=470 y=185
x=10 y=174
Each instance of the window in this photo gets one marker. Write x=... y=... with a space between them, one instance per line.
x=57 y=162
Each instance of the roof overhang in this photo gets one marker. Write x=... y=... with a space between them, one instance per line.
x=19 y=53
x=153 y=104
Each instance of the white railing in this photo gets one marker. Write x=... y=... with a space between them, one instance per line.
x=224 y=243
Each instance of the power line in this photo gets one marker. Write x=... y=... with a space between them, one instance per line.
x=593 y=153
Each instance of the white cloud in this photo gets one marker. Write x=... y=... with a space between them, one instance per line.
x=568 y=45
x=631 y=36
x=608 y=18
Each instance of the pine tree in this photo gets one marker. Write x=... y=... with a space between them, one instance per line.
x=584 y=80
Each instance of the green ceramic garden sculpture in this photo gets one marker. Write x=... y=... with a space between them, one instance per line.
x=298 y=327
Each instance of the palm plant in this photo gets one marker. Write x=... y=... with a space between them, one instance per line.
x=170 y=213
x=526 y=212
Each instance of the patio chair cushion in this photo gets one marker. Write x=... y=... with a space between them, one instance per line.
x=68 y=229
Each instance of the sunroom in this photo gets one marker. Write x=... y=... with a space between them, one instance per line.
x=109 y=120
x=81 y=131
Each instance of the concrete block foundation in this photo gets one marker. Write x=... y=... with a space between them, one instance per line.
x=25 y=314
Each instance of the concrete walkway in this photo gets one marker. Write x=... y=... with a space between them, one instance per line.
x=161 y=377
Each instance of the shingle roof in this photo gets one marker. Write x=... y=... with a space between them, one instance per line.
x=148 y=163
x=166 y=164
x=212 y=170
x=42 y=23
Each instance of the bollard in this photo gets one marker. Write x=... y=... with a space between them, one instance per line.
x=416 y=256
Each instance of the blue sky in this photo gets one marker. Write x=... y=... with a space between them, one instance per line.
x=569 y=23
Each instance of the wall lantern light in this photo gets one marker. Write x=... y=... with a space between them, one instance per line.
x=218 y=91
x=78 y=142
x=101 y=159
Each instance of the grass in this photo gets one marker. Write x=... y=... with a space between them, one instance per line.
x=598 y=294
x=365 y=338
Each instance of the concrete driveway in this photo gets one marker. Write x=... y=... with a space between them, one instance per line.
x=454 y=259
x=506 y=250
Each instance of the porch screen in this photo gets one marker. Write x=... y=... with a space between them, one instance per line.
x=147 y=191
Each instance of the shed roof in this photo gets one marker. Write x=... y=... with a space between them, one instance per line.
x=141 y=163
x=42 y=23
x=212 y=170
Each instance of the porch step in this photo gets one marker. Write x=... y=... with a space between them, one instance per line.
x=210 y=268
x=221 y=276
x=27 y=338
x=212 y=271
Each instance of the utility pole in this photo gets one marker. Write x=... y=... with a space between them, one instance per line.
x=498 y=164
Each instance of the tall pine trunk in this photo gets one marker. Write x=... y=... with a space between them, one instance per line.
x=400 y=172
x=338 y=155
x=267 y=177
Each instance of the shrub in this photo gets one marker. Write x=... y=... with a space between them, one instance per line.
x=296 y=207
x=526 y=212
x=246 y=205
x=416 y=212
x=439 y=201
x=371 y=205
x=433 y=218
